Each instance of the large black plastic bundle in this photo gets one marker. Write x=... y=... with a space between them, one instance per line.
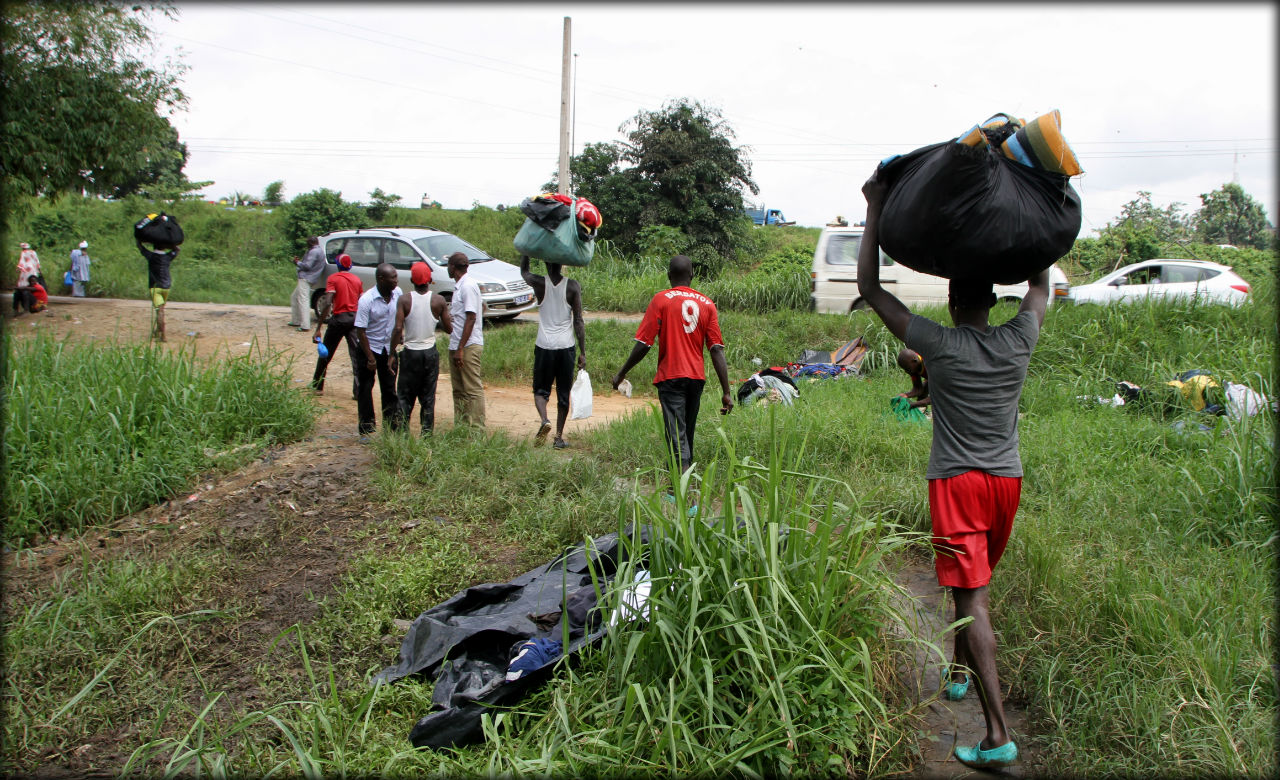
x=159 y=229
x=961 y=212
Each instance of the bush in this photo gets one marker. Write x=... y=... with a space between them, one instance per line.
x=319 y=212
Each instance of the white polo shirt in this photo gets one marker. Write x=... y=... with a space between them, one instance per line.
x=466 y=297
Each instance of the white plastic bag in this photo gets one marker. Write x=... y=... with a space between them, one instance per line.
x=580 y=397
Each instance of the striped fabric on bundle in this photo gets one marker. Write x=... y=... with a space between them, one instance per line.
x=1040 y=145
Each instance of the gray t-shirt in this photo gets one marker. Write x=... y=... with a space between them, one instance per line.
x=975 y=381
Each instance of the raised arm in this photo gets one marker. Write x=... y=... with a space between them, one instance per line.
x=884 y=303
x=538 y=283
x=1037 y=298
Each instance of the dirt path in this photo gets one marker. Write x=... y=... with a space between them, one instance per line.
x=930 y=611
x=211 y=328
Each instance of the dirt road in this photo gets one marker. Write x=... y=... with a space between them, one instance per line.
x=213 y=327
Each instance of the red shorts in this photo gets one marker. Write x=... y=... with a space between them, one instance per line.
x=972 y=516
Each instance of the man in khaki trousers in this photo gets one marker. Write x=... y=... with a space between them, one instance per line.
x=466 y=344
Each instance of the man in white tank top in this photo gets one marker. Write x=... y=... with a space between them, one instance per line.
x=417 y=315
x=559 y=325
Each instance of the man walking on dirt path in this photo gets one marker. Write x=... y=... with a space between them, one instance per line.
x=559 y=324
x=158 y=283
x=975 y=472
x=683 y=321
x=337 y=306
x=417 y=315
x=375 y=319
x=466 y=344
x=310 y=269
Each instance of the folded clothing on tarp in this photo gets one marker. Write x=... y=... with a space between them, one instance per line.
x=467 y=643
x=995 y=204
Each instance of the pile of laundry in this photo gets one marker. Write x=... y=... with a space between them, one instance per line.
x=770 y=385
x=491 y=644
x=1197 y=390
x=815 y=364
x=558 y=229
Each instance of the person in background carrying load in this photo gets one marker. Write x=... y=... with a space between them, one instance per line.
x=910 y=361
x=976 y=374
x=683 y=321
x=417 y=316
x=310 y=269
x=158 y=283
x=559 y=324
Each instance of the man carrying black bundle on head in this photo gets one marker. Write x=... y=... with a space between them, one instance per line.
x=158 y=282
x=975 y=473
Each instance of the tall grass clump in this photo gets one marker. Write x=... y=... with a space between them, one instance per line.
x=96 y=432
x=762 y=649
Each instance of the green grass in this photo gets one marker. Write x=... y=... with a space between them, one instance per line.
x=1135 y=604
x=96 y=432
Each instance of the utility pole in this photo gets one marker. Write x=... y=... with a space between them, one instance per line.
x=563 y=189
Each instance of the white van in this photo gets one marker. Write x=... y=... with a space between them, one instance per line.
x=834 y=285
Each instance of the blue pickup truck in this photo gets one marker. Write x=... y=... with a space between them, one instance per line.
x=763 y=216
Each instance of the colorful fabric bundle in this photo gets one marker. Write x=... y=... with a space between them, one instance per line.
x=994 y=204
x=553 y=234
x=1037 y=145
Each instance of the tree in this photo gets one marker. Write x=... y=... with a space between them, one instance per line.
x=81 y=106
x=161 y=176
x=1231 y=216
x=1142 y=232
x=316 y=213
x=380 y=203
x=686 y=161
x=677 y=166
x=273 y=195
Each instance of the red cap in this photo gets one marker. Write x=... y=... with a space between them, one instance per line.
x=344 y=262
x=420 y=273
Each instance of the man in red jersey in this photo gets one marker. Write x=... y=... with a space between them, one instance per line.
x=342 y=293
x=682 y=320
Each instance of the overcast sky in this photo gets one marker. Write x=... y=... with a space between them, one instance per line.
x=462 y=102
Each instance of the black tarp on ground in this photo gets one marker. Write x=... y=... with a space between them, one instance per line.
x=971 y=213
x=466 y=642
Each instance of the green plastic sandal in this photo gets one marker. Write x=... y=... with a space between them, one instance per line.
x=994 y=758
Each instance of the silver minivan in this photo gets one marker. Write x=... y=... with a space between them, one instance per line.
x=503 y=289
x=834 y=285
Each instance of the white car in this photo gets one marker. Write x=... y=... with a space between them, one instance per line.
x=503 y=289
x=1166 y=279
x=833 y=288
